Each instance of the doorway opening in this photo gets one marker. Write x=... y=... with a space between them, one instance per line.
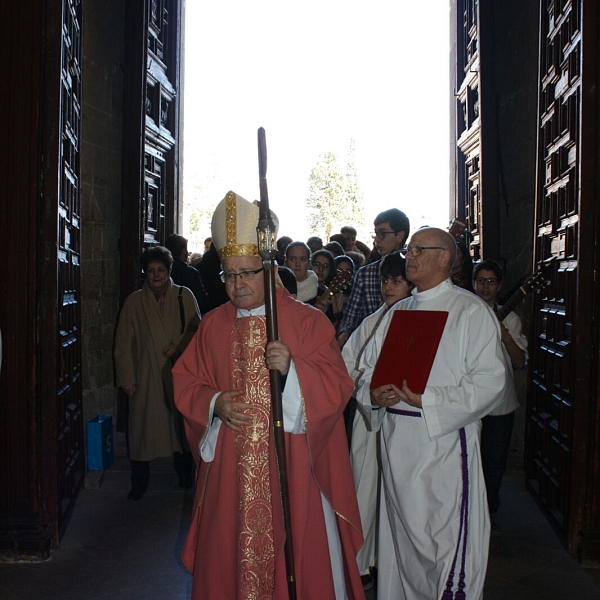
x=363 y=87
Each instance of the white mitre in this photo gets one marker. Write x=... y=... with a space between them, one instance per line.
x=234 y=227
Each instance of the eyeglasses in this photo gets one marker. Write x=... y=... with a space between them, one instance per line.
x=417 y=250
x=319 y=265
x=243 y=275
x=381 y=233
x=491 y=281
x=394 y=280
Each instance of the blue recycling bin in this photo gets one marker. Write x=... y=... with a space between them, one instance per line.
x=100 y=443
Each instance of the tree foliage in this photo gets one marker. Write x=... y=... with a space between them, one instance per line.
x=334 y=198
x=325 y=200
x=355 y=205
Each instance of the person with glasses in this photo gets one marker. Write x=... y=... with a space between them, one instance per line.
x=434 y=523
x=346 y=263
x=297 y=258
x=222 y=388
x=332 y=304
x=497 y=426
x=392 y=228
x=363 y=444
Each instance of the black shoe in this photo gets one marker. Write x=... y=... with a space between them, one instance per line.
x=140 y=476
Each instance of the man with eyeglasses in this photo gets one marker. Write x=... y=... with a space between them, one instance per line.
x=434 y=523
x=497 y=426
x=391 y=232
x=222 y=389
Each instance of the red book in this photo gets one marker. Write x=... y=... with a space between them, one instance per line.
x=409 y=349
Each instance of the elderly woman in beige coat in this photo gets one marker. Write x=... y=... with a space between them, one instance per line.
x=155 y=325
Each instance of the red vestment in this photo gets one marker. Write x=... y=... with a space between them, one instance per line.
x=217 y=547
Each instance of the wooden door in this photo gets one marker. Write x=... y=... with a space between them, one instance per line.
x=62 y=448
x=562 y=446
x=466 y=119
x=152 y=138
x=41 y=413
x=475 y=127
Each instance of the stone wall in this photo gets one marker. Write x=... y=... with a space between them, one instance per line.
x=102 y=120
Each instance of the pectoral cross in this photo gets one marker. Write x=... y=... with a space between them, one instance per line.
x=253 y=334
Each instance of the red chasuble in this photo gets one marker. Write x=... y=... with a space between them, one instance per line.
x=234 y=547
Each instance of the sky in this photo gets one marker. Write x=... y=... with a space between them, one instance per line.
x=315 y=75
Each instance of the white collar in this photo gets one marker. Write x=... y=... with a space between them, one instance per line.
x=253 y=312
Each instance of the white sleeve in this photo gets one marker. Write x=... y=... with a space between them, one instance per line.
x=512 y=322
x=293 y=415
x=208 y=443
x=468 y=374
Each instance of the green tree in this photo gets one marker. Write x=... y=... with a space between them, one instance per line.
x=355 y=204
x=325 y=196
x=335 y=198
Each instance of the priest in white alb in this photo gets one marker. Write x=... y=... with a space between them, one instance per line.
x=434 y=521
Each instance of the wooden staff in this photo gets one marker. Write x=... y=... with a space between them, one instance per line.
x=267 y=248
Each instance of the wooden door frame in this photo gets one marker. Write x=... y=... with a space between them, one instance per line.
x=580 y=529
x=132 y=235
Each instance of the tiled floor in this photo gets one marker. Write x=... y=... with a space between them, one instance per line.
x=130 y=550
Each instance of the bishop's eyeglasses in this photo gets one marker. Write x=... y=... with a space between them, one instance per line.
x=230 y=276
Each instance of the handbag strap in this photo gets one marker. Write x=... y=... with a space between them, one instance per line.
x=181 y=311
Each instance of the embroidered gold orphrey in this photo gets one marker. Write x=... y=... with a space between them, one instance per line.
x=256 y=549
x=232 y=247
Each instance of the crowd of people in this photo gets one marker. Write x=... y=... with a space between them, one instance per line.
x=386 y=480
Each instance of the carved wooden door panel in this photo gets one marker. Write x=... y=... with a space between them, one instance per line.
x=69 y=413
x=468 y=130
x=41 y=397
x=562 y=400
x=152 y=139
x=476 y=127
x=62 y=455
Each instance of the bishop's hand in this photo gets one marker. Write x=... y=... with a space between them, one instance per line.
x=231 y=411
x=278 y=357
